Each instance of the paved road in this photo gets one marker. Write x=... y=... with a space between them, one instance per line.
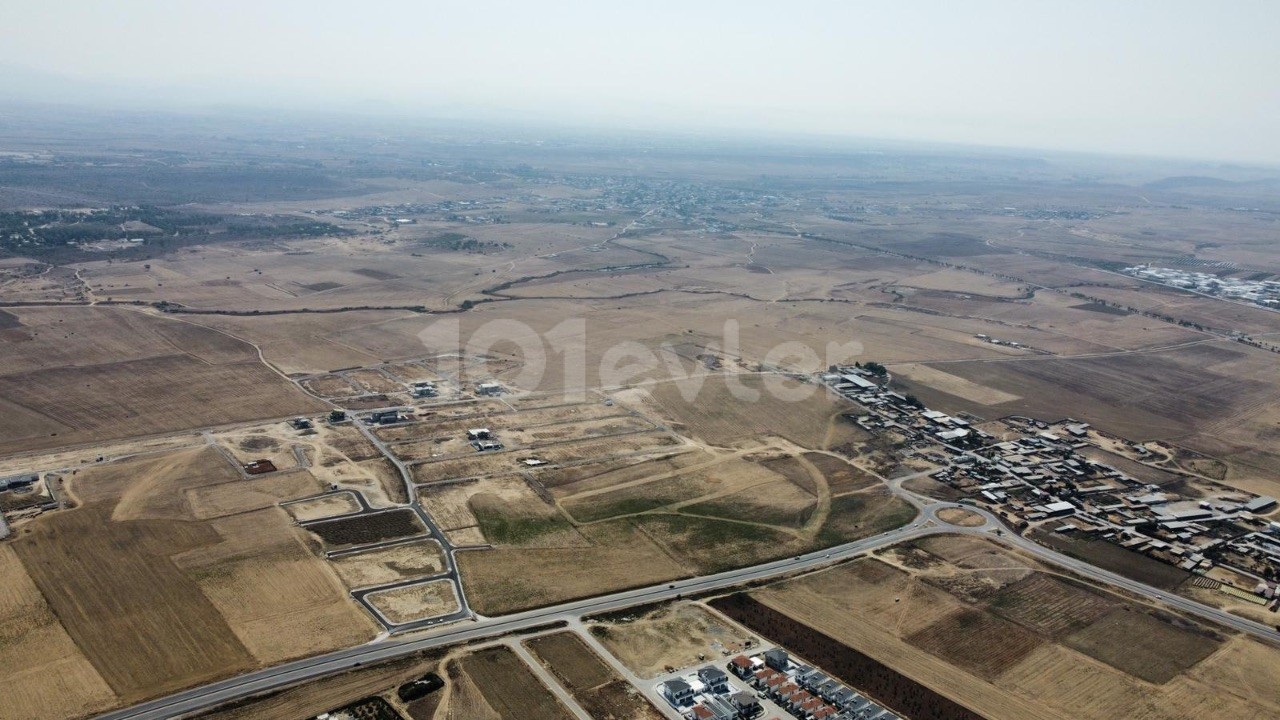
x=208 y=696
x=262 y=681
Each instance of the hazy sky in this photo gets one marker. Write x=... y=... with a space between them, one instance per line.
x=1170 y=77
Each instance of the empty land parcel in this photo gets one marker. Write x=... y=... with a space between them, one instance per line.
x=638 y=507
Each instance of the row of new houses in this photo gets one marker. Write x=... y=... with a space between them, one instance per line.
x=804 y=691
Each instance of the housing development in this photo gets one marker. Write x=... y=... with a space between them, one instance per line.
x=1044 y=479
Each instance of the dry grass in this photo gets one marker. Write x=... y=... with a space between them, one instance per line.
x=671 y=636
x=619 y=557
x=1010 y=672
x=46 y=675
x=416 y=602
x=388 y=565
x=718 y=417
x=323 y=507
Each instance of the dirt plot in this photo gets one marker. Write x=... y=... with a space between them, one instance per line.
x=509 y=687
x=1144 y=646
x=374 y=381
x=672 y=635
x=388 y=565
x=1133 y=468
x=539 y=435
x=331 y=386
x=976 y=641
x=718 y=417
x=322 y=507
x=415 y=602
x=1049 y=605
x=597 y=688
x=368 y=528
x=961 y=517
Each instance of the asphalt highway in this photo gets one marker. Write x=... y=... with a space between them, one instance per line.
x=203 y=698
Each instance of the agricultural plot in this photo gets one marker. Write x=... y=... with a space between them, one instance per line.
x=1012 y=648
x=367 y=529
x=1145 y=646
x=509 y=688
x=91 y=375
x=49 y=676
x=978 y=642
x=1050 y=606
x=594 y=685
x=166 y=576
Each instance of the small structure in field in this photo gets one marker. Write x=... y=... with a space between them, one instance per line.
x=260 y=467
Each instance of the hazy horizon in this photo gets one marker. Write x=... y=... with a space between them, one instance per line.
x=1174 y=79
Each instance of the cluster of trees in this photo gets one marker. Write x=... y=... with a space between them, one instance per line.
x=883 y=684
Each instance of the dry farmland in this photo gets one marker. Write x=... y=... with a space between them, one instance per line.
x=157 y=599
x=508 y=688
x=1022 y=644
x=109 y=390
x=596 y=687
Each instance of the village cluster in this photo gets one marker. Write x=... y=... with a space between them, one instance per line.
x=1036 y=475
x=773 y=675
x=1259 y=292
